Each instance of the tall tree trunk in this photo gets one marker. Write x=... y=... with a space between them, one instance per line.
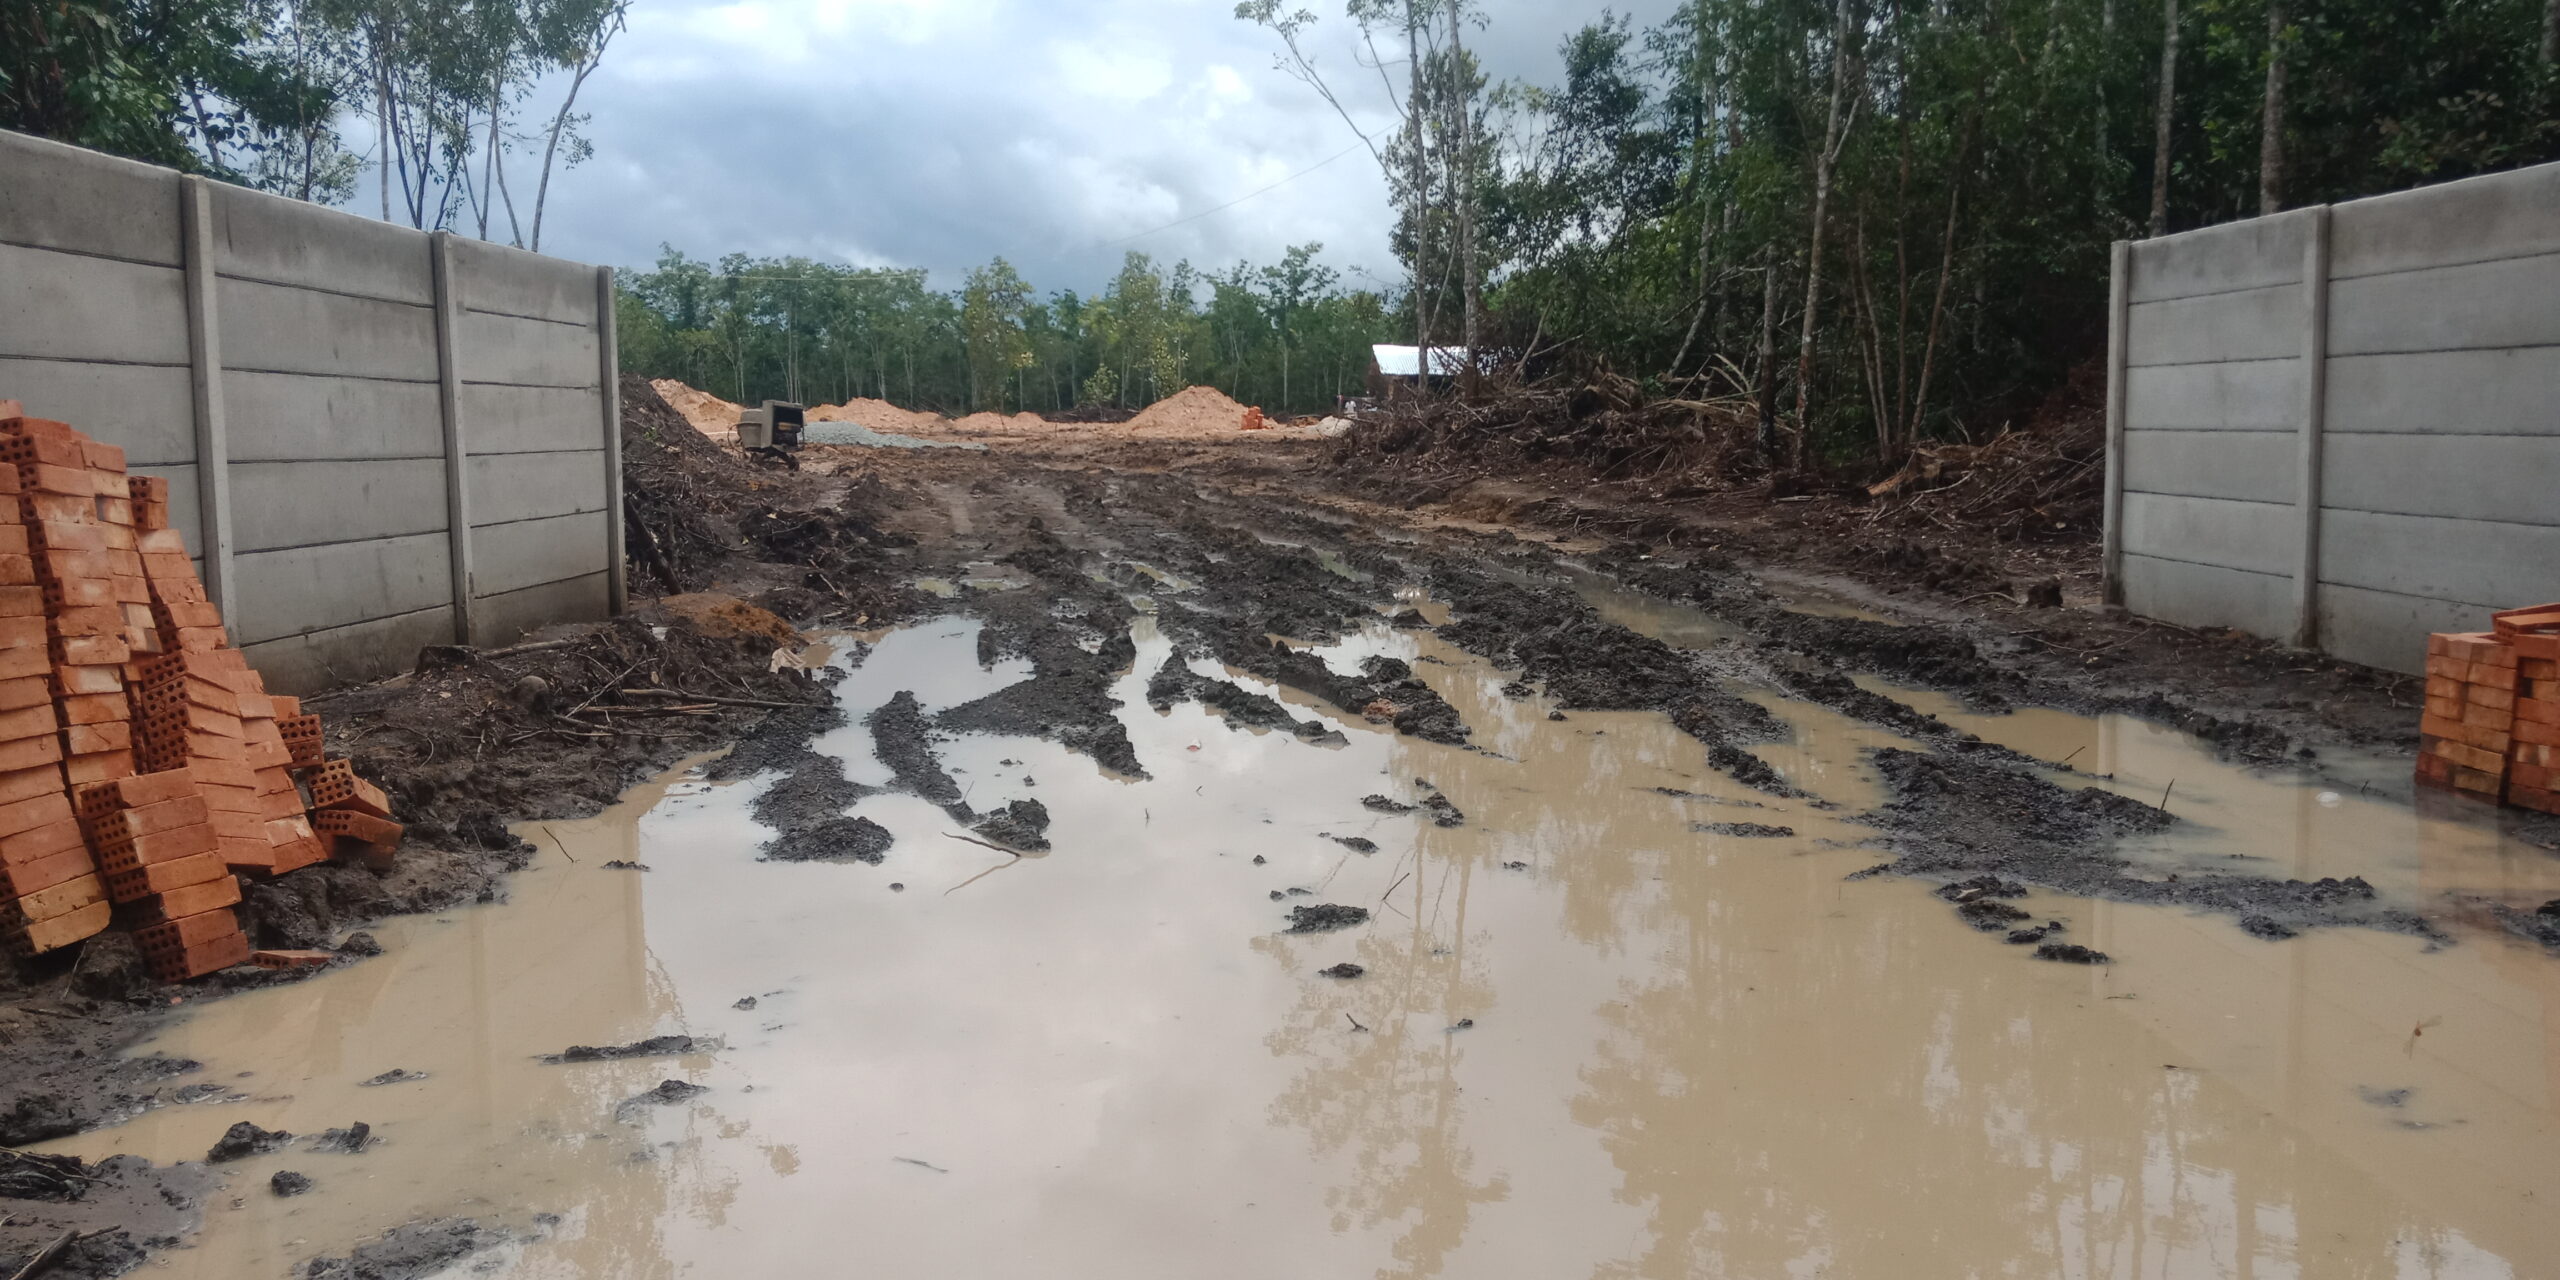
x=2160 y=127
x=1946 y=275
x=1470 y=283
x=1834 y=132
x=2271 y=126
x=2551 y=36
x=1768 y=388
x=1699 y=149
x=1416 y=202
x=2106 y=146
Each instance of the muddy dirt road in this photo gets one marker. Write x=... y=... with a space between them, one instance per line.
x=1208 y=870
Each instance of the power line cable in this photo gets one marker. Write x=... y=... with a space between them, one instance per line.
x=1114 y=244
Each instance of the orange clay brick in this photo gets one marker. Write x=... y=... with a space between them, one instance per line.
x=106 y=766
x=2532 y=775
x=160 y=846
x=288 y=707
x=361 y=827
x=297 y=958
x=92 y=739
x=2483 y=715
x=133 y=588
x=17 y=664
x=223 y=773
x=281 y=804
x=2538 y=711
x=2463 y=754
x=138 y=883
x=73 y=678
x=103 y=456
x=167 y=815
x=24 y=691
x=59 y=449
x=2481 y=675
x=297 y=853
x=136 y=792
x=27 y=753
x=44 y=873
x=2480 y=646
x=13 y=537
x=37 y=843
x=64 y=898
x=186 y=900
x=179 y=962
x=59 y=932
x=28 y=722
x=77 y=618
x=2479 y=781
x=27 y=815
x=37 y=507
x=2447 y=667
x=2539 y=801
x=17 y=570
x=2447 y=709
x=92 y=651
x=22 y=784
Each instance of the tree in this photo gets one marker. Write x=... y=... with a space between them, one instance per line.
x=2160 y=127
x=1290 y=286
x=993 y=310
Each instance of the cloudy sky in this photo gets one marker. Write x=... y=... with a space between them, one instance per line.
x=941 y=133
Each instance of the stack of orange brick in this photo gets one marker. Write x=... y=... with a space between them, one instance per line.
x=2471 y=699
x=154 y=840
x=2533 y=758
x=2492 y=723
x=141 y=760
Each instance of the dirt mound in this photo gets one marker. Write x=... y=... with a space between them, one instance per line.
x=1001 y=422
x=1191 y=409
x=715 y=614
x=878 y=415
x=709 y=414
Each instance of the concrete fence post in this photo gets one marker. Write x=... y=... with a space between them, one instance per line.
x=2119 y=304
x=2314 y=407
x=457 y=461
x=609 y=375
x=204 y=360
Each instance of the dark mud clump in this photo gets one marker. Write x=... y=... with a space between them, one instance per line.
x=410 y=1252
x=1981 y=887
x=1076 y=711
x=1345 y=970
x=1173 y=682
x=1325 y=917
x=243 y=1140
x=2267 y=927
x=901 y=739
x=814 y=791
x=2071 y=953
x=668 y=1093
x=288 y=1183
x=1963 y=815
x=1990 y=915
x=1443 y=813
x=1023 y=824
x=1357 y=844
x=835 y=840
x=2023 y=937
x=351 y=1140
x=396 y=1075
x=1745 y=830
x=653 y=1047
x=2541 y=924
x=1386 y=804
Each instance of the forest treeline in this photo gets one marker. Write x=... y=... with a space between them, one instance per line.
x=1873 y=221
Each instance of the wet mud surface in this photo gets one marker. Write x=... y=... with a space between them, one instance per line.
x=1152 y=631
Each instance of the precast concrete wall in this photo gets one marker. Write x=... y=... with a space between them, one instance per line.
x=376 y=438
x=2340 y=426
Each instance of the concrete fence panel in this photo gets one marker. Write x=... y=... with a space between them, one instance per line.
x=2341 y=424
x=375 y=438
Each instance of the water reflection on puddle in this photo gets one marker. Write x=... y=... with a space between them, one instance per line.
x=1590 y=1039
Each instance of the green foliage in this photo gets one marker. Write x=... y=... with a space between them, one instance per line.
x=1284 y=336
x=1632 y=205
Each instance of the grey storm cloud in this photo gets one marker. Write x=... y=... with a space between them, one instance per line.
x=942 y=133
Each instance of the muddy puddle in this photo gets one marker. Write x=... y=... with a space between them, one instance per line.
x=1626 y=1019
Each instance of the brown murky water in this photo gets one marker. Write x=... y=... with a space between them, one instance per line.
x=1590 y=1040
